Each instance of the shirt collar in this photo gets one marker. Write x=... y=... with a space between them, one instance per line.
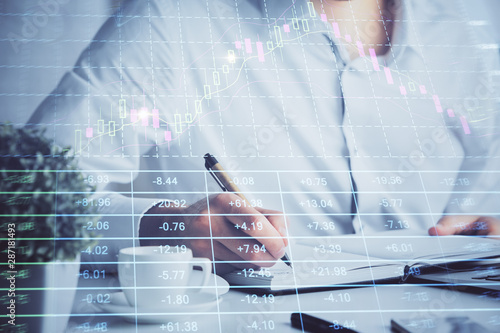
x=415 y=34
x=404 y=34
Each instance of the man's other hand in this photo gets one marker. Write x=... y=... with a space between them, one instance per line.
x=466 y=225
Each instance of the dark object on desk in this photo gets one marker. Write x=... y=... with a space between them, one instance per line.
x=452 y=324
x=424 y=261
x=308 y=323
x=227 y=185
x=478 y=276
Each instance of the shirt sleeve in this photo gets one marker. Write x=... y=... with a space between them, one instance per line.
x=476 y=189
x=86 y=112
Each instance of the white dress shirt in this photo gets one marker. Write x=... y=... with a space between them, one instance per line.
x=268 y=86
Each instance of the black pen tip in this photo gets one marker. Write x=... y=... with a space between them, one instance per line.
x=286 y=260
x=210 y=160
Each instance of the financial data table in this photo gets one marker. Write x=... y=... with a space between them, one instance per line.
x=367 y=309
x=392 y=201
x=395 y=201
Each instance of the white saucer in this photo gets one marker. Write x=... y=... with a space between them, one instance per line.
x=204 y=301
x=200 y=302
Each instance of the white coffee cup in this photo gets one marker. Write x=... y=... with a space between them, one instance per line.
x=156 y=276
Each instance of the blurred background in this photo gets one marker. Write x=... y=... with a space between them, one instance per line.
x=41 y=39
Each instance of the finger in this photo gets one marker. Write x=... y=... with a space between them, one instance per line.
x=249 y=221
x=241 y=245
x=486 y=225
x=495 y=227
x=236 y=245
x=250 y=250
x=277 y=219
x=261 y=229
x=454 y=225
x=224 y=256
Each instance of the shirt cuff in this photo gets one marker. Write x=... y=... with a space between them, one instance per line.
x=145 y=209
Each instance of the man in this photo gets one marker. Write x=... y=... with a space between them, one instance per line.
x=360 y=108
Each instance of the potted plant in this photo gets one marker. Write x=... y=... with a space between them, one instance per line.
x=42 y=230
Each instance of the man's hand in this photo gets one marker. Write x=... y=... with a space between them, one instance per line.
x=466 y=225
x=239 y=235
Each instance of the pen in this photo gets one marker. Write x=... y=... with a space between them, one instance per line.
x=227 y=185
x=308 y=323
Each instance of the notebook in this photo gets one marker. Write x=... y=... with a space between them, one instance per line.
x=483 y=275
x=351 y=260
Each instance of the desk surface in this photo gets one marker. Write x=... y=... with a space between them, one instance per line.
x=368 y=309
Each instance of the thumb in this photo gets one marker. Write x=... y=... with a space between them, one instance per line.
x=453 y=225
